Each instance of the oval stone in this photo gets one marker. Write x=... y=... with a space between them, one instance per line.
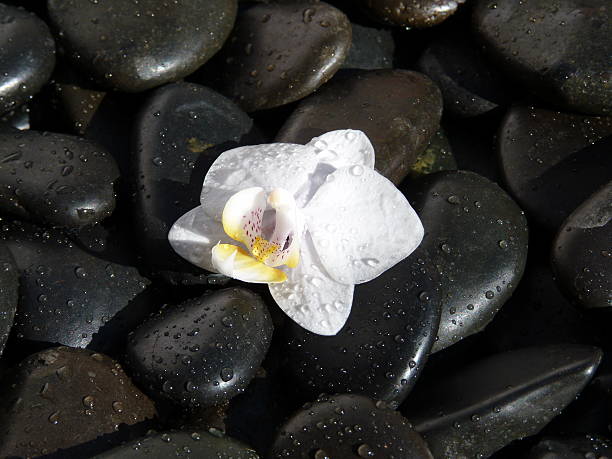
x=69 y=296
x=411 y=13
x=202 y=352
x=179 y=132
x=63 y=397
x=280 y=53
x=552 y=161
x=385 y=342
x=478 y=236
x=560 y=49
x=582 y=256
x=347 y=426
x=480 y=409
x=9 y=286
x=27 y=54
x=55 y=179
x=133 y=46
x=398 y=110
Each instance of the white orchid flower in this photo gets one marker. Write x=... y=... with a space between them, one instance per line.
x=314 y=220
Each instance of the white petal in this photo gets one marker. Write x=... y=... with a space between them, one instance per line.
x=311 y=298
x=235 y=262
x=194 y=235
x=243 y=213
x=361 y=225
x=276 y=165
x=344 y=148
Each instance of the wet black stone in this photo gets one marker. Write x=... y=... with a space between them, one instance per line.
x=202 y=352
x=18 y=118
x=348 y=426
x=411 y=13
x=63 y=397
x=196 y=444
x=478 y=236
x=180 y=131
x=135 y=46
x=55 y=179
x=27 y=53
x=559 y=49
x=582 y=257
x=383 y=346
x=9 y=285
x=370 y=49
x=69 y=296
x=279 y=53
x=478 y=410
x=469 y=85
x=552 y=161
x=579 y=447
x=436 y=157
x=398 y=110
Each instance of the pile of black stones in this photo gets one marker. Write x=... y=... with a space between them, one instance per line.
x=491 y=340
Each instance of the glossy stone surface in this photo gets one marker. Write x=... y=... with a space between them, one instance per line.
x=384 y=345
x=204 y=351
x=55 y=179
x=478 y=236
x=63 y=397
x=469 y=85
x=411 y=13
x=133 y=46
x=551 y=161
x=180 y=131
x=370 y=49
x=27 y=54
x=436 y=157
x=348 y=426
x=508 y=396
x=581 y=255
x=398 y=110
x=196 y=444
x=9 y=285
x=69 y=296
x=580 y=447
x=560 y=49
x=279 y=53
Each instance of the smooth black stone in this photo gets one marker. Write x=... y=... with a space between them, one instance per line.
x=133 y=46
x=580 y=447
x=398 y=110
x=538 y=314
x=478 y=236
x=55 y=179
x=581 y=256
x=202 y=352
x=348 y=426
x=551 y=161
x=9 y=286
x=469 y=85
x=179 y=132
x=370 y=49
x=196 y=444
x=480 y=409
x=411 y=13
x=27 y=54
x=383 y=347
x=280 y=53
x=63 y=397
x=19 y=118
x=69 y=296
x=437 y=156
x=560 y=49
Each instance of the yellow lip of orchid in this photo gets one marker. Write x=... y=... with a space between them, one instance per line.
x=268 y=227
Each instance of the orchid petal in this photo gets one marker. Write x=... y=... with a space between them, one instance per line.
x=242 y=215
x=344 y=148
x=277 y=165
x=361 y=225
x=311 y=298
x=235 y=262
x=194 y=235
